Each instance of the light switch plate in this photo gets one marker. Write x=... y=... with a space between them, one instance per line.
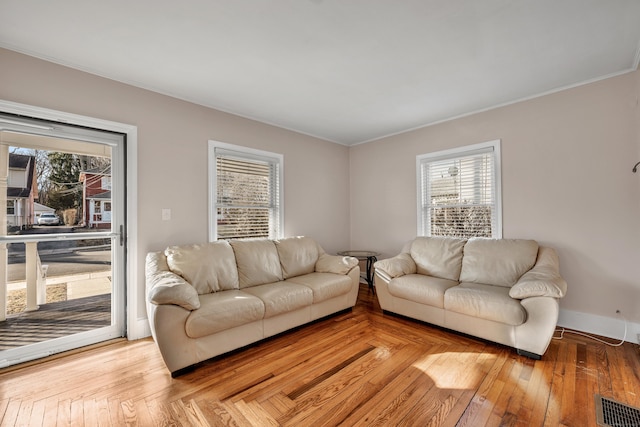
x=166 y=214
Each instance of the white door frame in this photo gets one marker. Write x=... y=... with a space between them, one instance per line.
x=137 y=325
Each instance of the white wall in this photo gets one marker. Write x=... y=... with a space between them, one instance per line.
x=566 y=182
x=173 y=137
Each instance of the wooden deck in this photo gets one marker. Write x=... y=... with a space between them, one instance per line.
x=55 y=320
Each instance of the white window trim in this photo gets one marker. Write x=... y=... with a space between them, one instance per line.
x=213 y=188
x=459 y=152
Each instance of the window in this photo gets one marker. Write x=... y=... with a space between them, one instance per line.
x=459 y=192
x=11 y=207
x=245 y=188
x=17 y=178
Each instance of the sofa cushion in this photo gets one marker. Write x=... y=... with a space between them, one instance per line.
x=298 y=255
x=543 y=280
x=485 y=302
x=397 y=266
x=258 y=262
x=438 y=256
x=282 y=297
x=208 y=267
x=324 y=285
x=539 y=284
x=223 y=310
x=335 y=264
x=169 y=288
x=423 y=289
x=499 y=262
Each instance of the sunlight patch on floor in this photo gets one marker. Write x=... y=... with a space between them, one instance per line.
x=439 y=368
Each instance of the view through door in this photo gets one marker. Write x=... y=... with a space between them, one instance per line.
x=62 y=246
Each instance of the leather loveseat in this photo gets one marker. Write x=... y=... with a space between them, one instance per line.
x=505 y=291
x=208 y=299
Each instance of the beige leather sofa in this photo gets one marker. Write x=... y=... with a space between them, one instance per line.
x=208 y=299
x=505 y=291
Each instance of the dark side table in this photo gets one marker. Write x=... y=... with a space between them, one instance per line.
x=370 y=257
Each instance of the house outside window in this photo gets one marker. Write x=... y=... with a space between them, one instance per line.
x=459 y=192
x=11 y=207
x=105 y=183
x=245 y=187
x=96 y=192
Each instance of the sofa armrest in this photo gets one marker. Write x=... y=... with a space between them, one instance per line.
x=166 y=287
x=335 y=264
x=543 y=280
x=397 y=266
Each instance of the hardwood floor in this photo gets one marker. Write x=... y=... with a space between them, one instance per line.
x=361 y=368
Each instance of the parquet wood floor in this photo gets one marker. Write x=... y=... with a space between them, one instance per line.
x=362 y=368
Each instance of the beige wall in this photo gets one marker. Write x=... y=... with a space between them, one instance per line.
x=172 y=155
x=566 y=182
x=566 y=175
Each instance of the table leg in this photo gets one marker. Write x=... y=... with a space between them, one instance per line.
x=369 y=272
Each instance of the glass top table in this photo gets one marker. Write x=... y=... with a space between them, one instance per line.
x=369 y=256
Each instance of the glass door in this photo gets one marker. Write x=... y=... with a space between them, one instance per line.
x=62 y=239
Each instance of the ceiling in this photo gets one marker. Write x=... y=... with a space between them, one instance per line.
x=347 y=71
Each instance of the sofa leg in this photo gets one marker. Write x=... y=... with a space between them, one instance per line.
x=528 y=354
x=183 y=371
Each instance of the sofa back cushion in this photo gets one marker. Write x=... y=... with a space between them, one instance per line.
x=499 y=262
x=258 y=262
x=438 y=256
x=208 y=267
x=298 y=255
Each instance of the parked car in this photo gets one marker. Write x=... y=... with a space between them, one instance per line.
x=48 y=218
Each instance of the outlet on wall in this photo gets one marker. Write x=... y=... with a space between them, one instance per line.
x=166 y=214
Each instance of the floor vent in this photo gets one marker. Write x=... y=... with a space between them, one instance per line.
x=610 y=413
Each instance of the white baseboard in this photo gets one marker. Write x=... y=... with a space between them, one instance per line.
x=611 y=327
x=139 y=329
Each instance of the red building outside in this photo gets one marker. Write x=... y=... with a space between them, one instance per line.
x=96 y=197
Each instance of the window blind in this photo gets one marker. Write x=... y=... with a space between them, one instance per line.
x=247 y=199
x=459 y=194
